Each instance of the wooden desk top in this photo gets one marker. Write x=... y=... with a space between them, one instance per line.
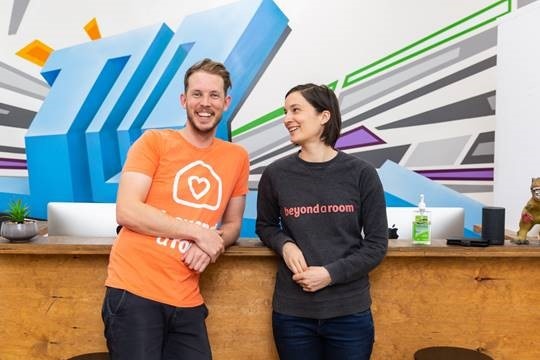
x=56 y=245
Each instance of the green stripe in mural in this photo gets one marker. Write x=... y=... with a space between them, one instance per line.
x=444 y=35
x=333 y=85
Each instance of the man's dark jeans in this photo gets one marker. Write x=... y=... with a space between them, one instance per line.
x=141 y=329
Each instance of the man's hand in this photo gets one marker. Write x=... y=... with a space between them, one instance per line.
x=196 y=259
x=211 y=242
x=313 y=279
x=294 y=259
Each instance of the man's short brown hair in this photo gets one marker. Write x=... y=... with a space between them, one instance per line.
x=211 y=67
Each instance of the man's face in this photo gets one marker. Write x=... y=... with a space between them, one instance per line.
x=204 y=101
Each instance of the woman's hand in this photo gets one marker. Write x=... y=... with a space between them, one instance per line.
x=294 y=259
x=314 y=278
x=196 y=259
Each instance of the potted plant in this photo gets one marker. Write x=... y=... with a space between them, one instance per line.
x=17 y=227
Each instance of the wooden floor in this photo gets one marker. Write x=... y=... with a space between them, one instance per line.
x=50 y=304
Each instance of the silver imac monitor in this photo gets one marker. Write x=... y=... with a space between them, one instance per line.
x=445 y=221
x=81 y=219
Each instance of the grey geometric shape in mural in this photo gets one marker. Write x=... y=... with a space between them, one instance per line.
x=253 y=185
x=261 y=129
x=492 y=102
x=267 y=147
x=379 y=156
x=382 y=85
x=17 y=13
x=482 y=151
x=276 y=152
x=436 y=85
x=522 y=3
x=15 y=117
x=22 y=83
x=274 y=132
x=12 y=149
x=438 y=152
x=473 y=107
x=257 y=171
x=396 y=79
x=465 y=189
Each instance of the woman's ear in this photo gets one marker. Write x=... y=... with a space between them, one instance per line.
x=325 y=116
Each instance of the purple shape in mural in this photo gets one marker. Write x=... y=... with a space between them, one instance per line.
x=12 y=164
x=462 y=174
x=357 y=138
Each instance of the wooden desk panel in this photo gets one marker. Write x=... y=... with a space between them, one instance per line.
x=51 y=294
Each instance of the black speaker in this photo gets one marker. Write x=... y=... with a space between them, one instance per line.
x=493 y=225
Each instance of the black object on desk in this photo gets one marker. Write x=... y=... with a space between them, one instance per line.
x=464 y=241
x=449 y=353
x=493 y=225
x=392 y=232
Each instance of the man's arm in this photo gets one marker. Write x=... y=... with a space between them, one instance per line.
x=198 y=260
x=232 y=220
x=133 y=213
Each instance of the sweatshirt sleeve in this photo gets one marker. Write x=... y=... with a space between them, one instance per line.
x=268 y=224
x=375 y=228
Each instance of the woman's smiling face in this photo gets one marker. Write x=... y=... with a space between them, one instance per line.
x=302 y=120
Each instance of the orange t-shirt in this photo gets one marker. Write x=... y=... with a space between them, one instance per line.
x=189 y=183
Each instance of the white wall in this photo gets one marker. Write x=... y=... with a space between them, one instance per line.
x=517 y=150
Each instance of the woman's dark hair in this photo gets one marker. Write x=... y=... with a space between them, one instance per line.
x=322 y=98
x=211 y=67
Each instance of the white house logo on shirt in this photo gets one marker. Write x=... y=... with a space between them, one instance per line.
x=198 y=185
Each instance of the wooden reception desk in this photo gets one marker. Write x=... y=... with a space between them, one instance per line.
x=479 y=298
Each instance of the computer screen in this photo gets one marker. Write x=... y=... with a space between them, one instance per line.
x=81 y=219
x=445 y=221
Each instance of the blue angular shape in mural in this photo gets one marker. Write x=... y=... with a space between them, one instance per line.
x=105 y=92
x=58 y=158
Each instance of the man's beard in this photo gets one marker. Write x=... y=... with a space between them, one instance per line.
x=200 y=131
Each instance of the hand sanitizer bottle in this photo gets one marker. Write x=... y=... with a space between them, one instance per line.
x=421 y=226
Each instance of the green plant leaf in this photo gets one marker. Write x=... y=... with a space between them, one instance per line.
x=17 y=211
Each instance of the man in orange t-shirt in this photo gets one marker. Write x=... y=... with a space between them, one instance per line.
x=180 y=201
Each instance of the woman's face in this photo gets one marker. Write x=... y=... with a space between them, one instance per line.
x=304 y=123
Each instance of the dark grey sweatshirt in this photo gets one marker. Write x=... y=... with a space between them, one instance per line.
x=336 y=213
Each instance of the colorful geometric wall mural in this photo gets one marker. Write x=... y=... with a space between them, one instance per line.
x=423 y=114
x=78 y=140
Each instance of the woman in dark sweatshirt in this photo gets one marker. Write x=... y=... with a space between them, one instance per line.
x=323 y=211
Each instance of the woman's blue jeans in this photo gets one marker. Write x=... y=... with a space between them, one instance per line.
x=347 y=337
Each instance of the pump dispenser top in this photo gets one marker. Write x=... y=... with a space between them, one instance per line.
x=421 y=204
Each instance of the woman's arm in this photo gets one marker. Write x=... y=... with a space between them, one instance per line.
x=268 y=227
x=375 y=227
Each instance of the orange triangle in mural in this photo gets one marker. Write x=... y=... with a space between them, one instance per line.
x=92 y=29
x=36 y=52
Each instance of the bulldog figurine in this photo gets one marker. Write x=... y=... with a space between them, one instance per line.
x=530 y=215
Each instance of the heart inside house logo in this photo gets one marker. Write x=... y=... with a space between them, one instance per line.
x=204 y=184
x=199 y=186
